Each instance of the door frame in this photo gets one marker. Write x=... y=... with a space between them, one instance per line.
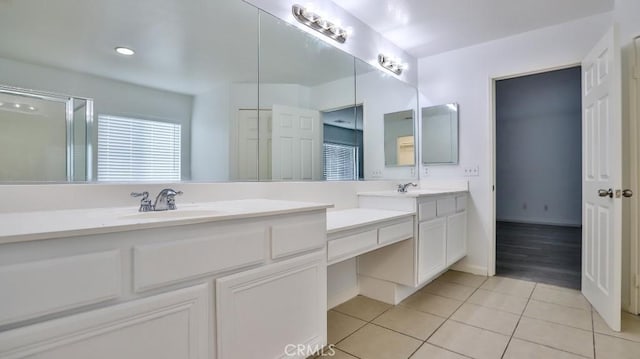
x=491 y=256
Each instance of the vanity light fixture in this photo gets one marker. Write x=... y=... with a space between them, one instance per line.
x=394 y=65
x=313 y=20
x=124 y=51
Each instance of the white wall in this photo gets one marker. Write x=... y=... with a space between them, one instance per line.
x=110 y=97
x=465 y=76
x=210 y=127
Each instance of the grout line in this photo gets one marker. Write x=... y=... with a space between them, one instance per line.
x=554 y=348
x=593 y=333
x=518 y=323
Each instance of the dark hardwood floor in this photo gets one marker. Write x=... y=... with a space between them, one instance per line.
x=541 y=253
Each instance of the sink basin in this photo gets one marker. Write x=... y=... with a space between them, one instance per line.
x=178 y=213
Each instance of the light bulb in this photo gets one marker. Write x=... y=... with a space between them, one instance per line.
x=124 y=51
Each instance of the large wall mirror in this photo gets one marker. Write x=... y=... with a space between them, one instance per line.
x=440 y=134
x=192 y=102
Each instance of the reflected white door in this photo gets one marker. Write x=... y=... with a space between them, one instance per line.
x=254 y=145
x=602 y=179
x=297 y=144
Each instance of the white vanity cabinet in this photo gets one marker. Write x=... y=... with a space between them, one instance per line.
x=440 y=239
x=241 y=286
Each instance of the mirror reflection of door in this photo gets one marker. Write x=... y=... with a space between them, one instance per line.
x=405 y=149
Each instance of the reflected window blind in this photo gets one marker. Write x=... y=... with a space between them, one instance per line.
x=340 y=162
x=131 y=149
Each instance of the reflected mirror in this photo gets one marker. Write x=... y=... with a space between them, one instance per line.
x=399 y=143
x=383 y=97
x=188 y=103
x=305 y=86
x=440 y=134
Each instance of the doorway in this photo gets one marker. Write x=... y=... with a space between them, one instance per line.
x=539 y=177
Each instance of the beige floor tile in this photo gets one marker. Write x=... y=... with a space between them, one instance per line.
x=341 y=325
x=560 y=314
x=363 y=308
x=431 y=303
x=562 y=296
x=519 y=349
x=498 y=301
x=334 y=353
x=428 y=351
x=630 y=327
x=516 y=287
x=449 y=290
x=374 y=342
x=610 y=347
x=471 y=341
x=470 y=280
x=410 y=322
x=558 y=336
x=487 y=318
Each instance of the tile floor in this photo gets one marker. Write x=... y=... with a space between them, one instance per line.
x=460 y=315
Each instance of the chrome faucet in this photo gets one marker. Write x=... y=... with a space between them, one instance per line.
x=402 y=188
x=165 y=200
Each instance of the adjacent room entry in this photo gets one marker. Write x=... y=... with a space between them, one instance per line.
x=539 y=177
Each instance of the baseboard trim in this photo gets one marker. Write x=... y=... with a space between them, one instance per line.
x=540 y=221
x=468 y=268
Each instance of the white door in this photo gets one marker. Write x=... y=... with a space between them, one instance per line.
x=297 y=144
x=602 y=179
x=254 y=145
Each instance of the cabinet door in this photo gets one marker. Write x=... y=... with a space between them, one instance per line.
x=166 y=326
x=456 y=237
x=432 y=237
x=267 y=312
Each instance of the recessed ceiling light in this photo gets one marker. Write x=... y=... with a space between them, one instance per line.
x=124 y=51
x=17 y=105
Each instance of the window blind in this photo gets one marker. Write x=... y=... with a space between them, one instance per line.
x=132 y=149
x=340 y=162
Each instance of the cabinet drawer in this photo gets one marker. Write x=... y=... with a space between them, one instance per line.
x=298 y=234
x=395 y=232
x=461 y=203
x=352 y=245
x=48 y=286
x=445 y=206
x=163 y=263
x=427 y=211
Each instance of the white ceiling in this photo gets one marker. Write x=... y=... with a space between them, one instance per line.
x=427 y=27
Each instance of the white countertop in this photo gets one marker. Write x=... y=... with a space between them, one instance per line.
x=342 y=220
x=415 y=193
x=29 y=226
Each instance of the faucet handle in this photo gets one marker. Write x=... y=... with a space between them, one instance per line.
x=144 y=194
x=145 y=202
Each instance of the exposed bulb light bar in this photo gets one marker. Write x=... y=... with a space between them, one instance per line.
x=394 y=65
x=315 y=21
x=124 y=51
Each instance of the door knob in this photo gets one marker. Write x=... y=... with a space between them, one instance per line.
x=627 y=193
x=605 y=193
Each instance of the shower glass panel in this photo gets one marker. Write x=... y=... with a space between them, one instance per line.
x=43 y=138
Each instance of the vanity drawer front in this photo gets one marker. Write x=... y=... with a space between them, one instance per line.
x=351 y=246
x=167 y=262
x=427 y=210
x=395 y=232
x=298 y=234
x=445 y=206
x=33 y=289
x=461 y=203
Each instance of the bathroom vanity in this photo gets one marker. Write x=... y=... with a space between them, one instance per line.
x=214 y=280
x=392 y=273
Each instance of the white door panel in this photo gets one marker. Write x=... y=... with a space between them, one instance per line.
x=297 y=144
x=254 y=145
x=602 y=171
